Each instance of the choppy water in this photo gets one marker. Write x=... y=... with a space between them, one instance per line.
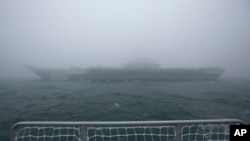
x=135 y=100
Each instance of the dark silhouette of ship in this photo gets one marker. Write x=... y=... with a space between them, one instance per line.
x=131 y=71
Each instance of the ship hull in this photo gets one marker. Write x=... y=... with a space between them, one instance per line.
x=129 y=74
x=170 y=75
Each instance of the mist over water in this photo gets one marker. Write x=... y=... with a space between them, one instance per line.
x=187 y=34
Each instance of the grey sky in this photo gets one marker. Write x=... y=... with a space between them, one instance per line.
x=176 y=33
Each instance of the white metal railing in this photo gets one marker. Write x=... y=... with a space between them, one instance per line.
x=175 y=130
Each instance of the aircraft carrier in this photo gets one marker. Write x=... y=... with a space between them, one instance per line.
x=129 y=72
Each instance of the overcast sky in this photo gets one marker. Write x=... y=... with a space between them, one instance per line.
x=175 y=33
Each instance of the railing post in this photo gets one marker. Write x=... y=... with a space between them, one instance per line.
x=83 y=133
x=13 y=133
x=178 y=132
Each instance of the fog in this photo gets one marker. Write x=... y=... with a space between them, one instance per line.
x=175 y=33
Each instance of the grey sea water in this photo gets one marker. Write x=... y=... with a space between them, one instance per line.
x=119 y=101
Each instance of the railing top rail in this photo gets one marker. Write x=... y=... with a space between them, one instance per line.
x=103 y=123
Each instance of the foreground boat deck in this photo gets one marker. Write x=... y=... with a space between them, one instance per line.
x=175 y=130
